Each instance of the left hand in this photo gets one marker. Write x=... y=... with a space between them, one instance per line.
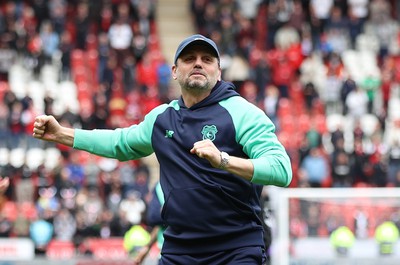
x=207 y=150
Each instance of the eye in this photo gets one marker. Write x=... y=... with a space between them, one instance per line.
x=208 y=59
x=188 y=58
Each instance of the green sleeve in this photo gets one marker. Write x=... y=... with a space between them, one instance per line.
x=123 y=143
x=256 y=133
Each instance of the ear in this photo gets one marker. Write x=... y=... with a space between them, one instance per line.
x=174 y=72
x=219 y=74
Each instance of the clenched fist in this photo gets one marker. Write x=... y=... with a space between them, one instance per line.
x=47 y=128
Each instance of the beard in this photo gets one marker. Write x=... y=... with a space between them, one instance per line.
x=196 y=85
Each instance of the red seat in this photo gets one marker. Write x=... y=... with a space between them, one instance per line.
x=320 y=123
x=77 y=58
x=304 y=123
x=28 y=209
x=92 y=63
x=10 y=210
x=3 y=88
x=284 y=107
x=288 y=124
x=91 y=42
x=60 y=250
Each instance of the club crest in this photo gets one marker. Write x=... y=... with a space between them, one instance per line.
x=209 y=132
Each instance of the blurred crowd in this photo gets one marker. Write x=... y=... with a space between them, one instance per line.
x=326 y=72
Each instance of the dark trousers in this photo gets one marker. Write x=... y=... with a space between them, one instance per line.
x=245 y=256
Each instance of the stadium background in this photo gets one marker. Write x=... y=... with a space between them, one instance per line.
x=326 y=72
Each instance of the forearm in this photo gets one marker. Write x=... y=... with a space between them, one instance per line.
x=240 y=167
x=66 y=136
x=268 y=173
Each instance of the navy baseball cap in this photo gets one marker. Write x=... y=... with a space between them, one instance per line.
x=197 y=38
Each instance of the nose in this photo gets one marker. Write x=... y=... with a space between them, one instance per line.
x=198 y=62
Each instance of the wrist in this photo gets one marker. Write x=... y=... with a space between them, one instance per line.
x=224 y=160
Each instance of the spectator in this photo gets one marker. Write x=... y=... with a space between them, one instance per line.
x=282 y=75
x=120 y=35
x=139 y=44
x=261 y=74
x=64 y=225
x=312 y=219
x=272 y=26
x=314 y=136
x=297 y=18
x=379 y=170
x=82 y=24
x=164 y=79
x=106 y=222
x=4 y=128
x=47 y=204
x=106 y=16
x=359 y=9
x=286 y=37
x=141 y=182
x=132 y=207
x=359 y=163
x=357 y=103
x=394 y=163
x=123 y=12
x=75 y=171
x=341 y=170
x=271 y=103
x=29 y=20
x=114 y=196
x=315 y=167
x=5 y=226
x=248 y=9
x=27 y=120
x=144 y=9
x=41 y=10
x=371 y=84
x=57 y=12
x=356 y=25
x=319 y=15
x=66 y=46
x=16 y=125
x=331 y=93
x=83 y=229
x=211 y=16
x=348 y=85
x=92 y=207
x=129 y=74
x=337 y=138
x=147 y=72
x=380 y=19
x=284 y=10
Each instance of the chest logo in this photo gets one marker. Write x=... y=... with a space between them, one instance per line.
x=209 y=132
x=168 y=133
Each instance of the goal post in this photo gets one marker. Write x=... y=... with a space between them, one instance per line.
x=304 y=218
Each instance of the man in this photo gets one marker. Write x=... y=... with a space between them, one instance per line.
x=215 y=150
x=4 y=183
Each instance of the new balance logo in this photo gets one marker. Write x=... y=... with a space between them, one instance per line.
x=168 y=133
